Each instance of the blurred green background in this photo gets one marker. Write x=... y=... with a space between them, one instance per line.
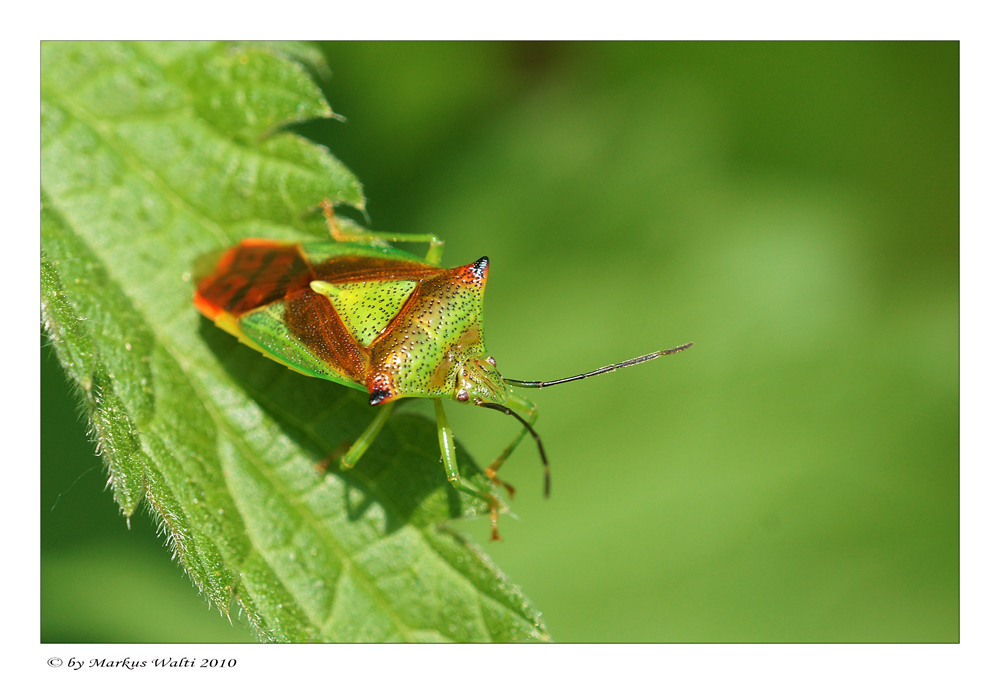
x=792 y=208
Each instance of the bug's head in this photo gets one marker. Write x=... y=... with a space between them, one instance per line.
x=479 y=381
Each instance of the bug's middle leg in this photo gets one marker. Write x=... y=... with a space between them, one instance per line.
x=361 y=444
x=448 y=455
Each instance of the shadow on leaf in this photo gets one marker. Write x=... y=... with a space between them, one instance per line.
x=401 y=471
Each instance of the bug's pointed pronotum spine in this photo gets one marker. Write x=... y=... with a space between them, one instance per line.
x=606 y=369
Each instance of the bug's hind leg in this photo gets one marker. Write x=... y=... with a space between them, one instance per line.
x=435 y=249
x=448 y=455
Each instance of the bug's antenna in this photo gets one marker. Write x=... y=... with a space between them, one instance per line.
x=527 y=425
x=607 y=369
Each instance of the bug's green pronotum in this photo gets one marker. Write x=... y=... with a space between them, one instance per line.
x=360 y=313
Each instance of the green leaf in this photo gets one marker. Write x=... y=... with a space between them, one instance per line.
x=154 y=156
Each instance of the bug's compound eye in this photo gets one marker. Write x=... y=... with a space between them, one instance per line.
x=490 y=360
x=462 y=395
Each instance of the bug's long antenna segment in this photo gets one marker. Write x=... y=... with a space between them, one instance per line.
x=606 y=369
x=538 y=440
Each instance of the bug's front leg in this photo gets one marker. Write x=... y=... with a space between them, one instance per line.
x=448 y=455
x=435 y=248
x=528 y=407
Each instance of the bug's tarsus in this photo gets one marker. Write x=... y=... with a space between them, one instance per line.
x=492 y=474
x=331 y=222
x=606 y=369
x=538 y=440
x=328 y=209
x=324 y=465
x=324 y=207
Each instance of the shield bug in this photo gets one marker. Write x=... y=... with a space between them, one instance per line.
x=363 y=314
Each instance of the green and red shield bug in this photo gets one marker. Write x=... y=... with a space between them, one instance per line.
x=363 y=314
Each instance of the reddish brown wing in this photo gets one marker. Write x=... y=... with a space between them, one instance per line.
x=258 y=272
x=359 y=269
x=253 y=274
x=312 y=320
